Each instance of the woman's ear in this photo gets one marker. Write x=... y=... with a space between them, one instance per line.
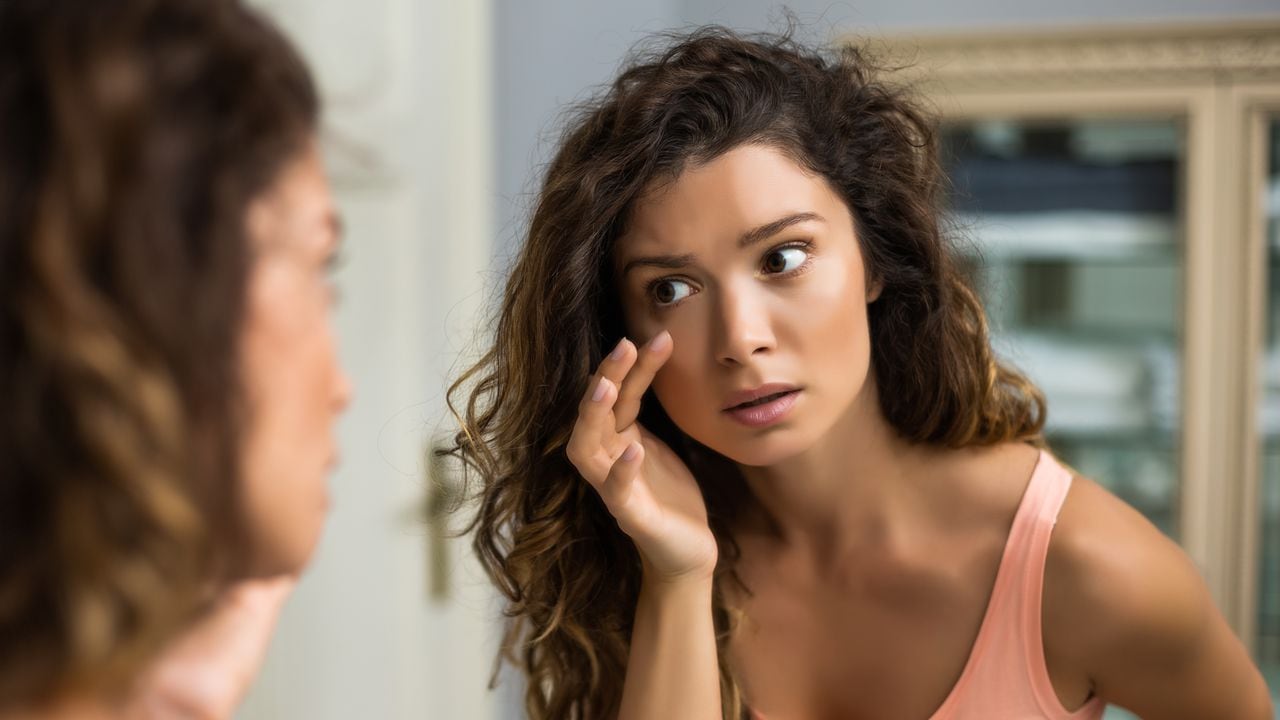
x=873 y=290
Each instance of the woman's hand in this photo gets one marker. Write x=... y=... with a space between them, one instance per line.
x=207 y=672
x=649 y=490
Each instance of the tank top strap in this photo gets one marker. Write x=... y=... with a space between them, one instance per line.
x=1053 y=484
x=1021 y=570
x=1006 y=672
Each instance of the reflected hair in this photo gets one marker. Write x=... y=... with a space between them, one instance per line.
x=133 y=136
x=570 y=577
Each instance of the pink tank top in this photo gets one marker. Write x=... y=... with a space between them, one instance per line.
x=1005 y=677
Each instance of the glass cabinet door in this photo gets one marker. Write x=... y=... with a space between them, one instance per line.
x=1268 y=640
x=1071 y=232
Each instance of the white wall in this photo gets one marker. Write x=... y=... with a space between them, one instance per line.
x=407 y=138
x=548 y=54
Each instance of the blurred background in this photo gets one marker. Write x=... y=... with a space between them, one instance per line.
x=1116 y=193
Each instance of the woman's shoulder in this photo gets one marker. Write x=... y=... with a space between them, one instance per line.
x=1124 y=606
x=1110 y=572
x=1107 y=568
x=983 y=484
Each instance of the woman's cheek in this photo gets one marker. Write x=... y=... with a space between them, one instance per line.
x=683 y=375
x=679 y=387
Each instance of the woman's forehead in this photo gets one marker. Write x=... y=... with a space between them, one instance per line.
x=721 y=199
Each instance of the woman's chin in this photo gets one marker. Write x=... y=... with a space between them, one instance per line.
x=286 y=556
x=763 y=450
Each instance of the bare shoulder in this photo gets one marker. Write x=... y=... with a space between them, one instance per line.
x=1125 y=607
x=1110 y=573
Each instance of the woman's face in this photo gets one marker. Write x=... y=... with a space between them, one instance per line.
x=294 y=384
x=753 y=265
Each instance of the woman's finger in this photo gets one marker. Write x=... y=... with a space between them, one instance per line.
x=618 y=362
x=593 y=432
x=614 y=368
x=586 y=448
x=617 y=486
x=649 y=360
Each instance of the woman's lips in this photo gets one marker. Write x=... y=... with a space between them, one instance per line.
x=766 y=408
x=742 y=397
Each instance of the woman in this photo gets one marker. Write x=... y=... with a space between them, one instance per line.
x=166 y=356
x=811 y=490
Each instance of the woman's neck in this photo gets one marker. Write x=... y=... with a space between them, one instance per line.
x=852 y=488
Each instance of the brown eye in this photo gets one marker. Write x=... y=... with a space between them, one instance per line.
x=670 y=292
x=784 y=260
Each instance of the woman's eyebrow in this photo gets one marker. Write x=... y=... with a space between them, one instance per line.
x=666 y=262
x=768 y=230
x=750 y=237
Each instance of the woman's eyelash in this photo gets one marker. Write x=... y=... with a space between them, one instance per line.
x=806 y=245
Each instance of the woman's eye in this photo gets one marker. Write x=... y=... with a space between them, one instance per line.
x=783 y=260
x=670 y=292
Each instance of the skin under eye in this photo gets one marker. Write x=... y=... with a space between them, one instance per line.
x=668 y=292
x=783 y=260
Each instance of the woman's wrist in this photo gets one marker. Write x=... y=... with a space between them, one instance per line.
x=682 y=583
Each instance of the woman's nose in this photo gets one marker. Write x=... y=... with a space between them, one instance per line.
x=744 y=328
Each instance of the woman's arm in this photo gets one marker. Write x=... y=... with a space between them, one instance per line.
x=672 y=670
x=1126 y=607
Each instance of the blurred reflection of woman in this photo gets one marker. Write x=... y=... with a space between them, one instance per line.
x=166 y=358
x=811 y=490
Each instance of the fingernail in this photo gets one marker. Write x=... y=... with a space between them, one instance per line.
x=632 y=451
x=600 y=390
x=660 y=343
x=618 y=350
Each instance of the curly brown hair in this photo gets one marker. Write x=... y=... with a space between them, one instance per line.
x=570 y=576
x=133 y=135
